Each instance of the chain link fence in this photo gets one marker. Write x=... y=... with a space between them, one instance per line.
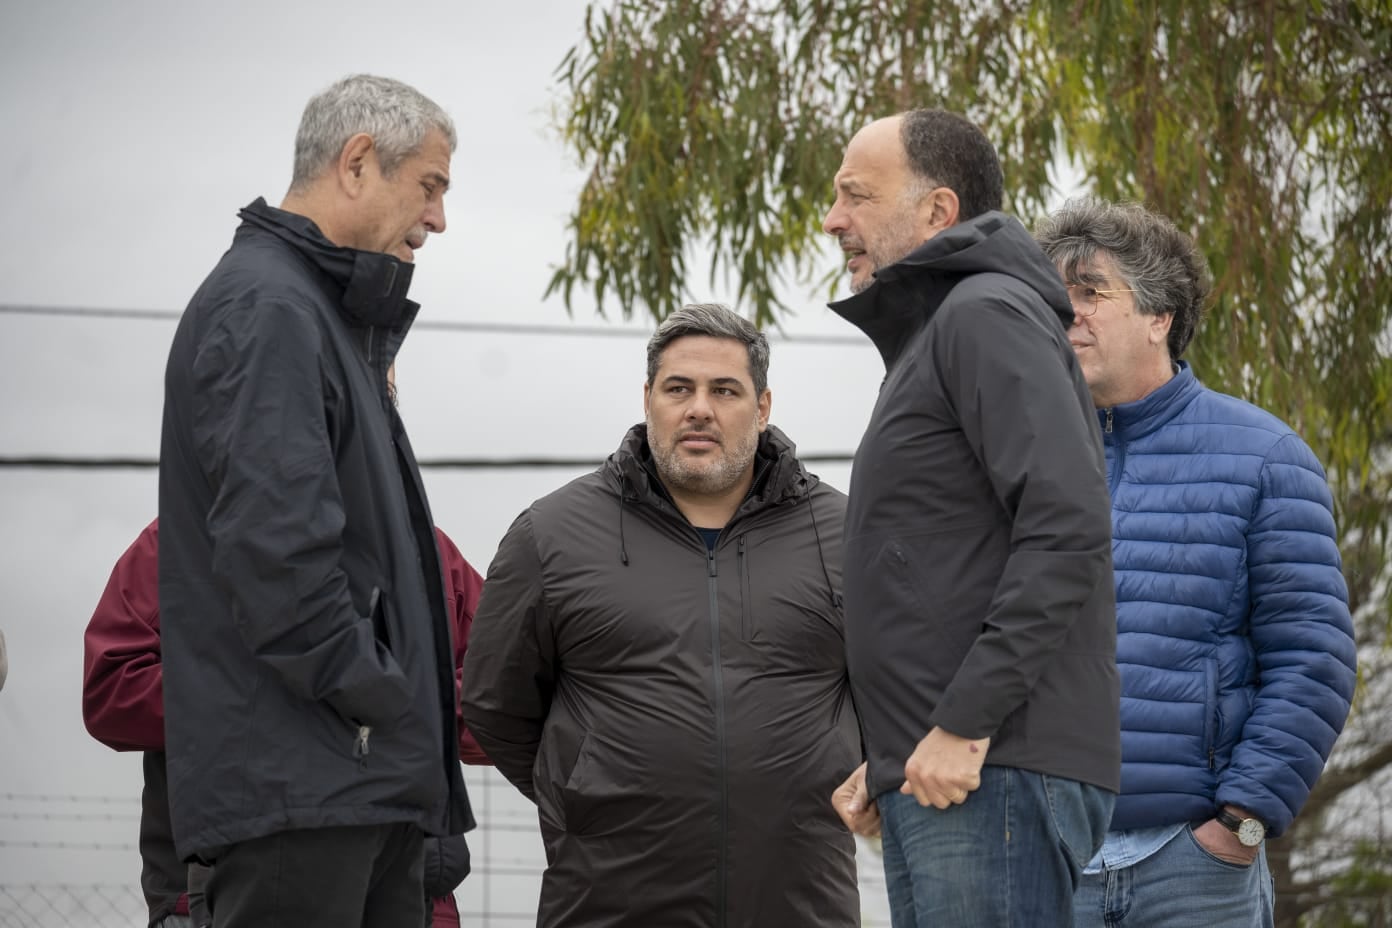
x=65 y=905
x=94 y=836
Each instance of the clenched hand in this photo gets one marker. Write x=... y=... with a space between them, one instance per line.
x=944 y=769
x=852 y=802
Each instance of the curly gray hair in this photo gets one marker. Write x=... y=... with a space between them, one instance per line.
x=1158 y=261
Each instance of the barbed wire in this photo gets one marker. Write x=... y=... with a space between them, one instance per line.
x=442 y=325
x=62 y=462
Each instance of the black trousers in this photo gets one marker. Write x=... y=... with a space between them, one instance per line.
x=367 y=876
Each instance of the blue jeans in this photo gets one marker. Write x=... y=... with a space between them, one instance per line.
x=1179 y=886
x=1009 y=857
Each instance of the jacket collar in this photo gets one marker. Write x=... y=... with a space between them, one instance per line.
x=904 y=296
x=1132 y=420
x=889 y=312
x=374 y=284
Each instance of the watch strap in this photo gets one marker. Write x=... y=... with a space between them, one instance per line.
x=1228 y=820
x=1250 y=831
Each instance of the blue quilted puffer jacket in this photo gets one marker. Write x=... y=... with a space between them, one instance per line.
x=1234 y=639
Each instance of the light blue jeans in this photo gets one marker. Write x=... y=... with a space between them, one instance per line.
x=1009 y=857
x=1179 y=886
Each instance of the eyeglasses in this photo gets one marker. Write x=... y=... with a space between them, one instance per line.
x=1086 y=298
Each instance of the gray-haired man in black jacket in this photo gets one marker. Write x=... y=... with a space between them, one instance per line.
x=309 y=686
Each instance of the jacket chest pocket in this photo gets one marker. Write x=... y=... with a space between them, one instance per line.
x=786 y=605
x=746 y=608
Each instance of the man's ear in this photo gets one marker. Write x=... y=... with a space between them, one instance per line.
x=765 y=404
x=357 y=159
x=647 y=394
x=940 y=209
x=1160 y=325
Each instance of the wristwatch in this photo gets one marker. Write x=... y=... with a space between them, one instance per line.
x=1250 y=831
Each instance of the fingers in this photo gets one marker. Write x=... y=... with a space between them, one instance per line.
x=868 y=823
x=860 y=794
x=938 y=795
x=852 y=802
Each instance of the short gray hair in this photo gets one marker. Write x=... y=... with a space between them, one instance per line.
x=1155 y=259
x=396 y=115
x=716 y=321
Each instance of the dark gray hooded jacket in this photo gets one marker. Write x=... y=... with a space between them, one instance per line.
x=308 y=665
x=979 y=594
x=680 y=718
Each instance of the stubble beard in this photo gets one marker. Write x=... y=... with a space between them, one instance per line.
x=895 y=244
x=708 y=475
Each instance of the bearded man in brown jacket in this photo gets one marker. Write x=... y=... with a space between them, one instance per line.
x=658 y=661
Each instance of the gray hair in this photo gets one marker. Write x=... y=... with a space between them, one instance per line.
x=946 y=149
x=396 y=115
x=1155 y=259
x=717 y=321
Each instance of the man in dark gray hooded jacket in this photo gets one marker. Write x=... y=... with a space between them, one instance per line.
x=658 y=661
x=980 y=624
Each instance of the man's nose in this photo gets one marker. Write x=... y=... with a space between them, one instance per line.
x=700 y=406
x=834 y=223
x=434 y=218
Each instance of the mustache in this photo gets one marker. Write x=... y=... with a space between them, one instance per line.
x=710 y=434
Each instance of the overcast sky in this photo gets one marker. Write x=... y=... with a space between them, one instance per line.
x=134 y=133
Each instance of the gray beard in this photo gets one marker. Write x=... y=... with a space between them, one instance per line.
x=700 y=477
x=900 y=238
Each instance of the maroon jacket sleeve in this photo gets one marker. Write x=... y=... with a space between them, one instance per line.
x=122 y=678
x=462 y=587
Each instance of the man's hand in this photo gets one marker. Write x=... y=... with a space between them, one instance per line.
x=853 y=803
x=1214 y=837
x=944 y=769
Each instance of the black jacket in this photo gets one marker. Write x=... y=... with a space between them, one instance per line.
x=308 y=666
x=680 y=718
x=979 y=591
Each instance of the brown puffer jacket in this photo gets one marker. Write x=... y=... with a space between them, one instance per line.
x=679 y=717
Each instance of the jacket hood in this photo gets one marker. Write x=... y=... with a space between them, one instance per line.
x=991 y=243
x=374 y=284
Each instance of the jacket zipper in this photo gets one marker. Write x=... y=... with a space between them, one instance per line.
x=1114 y=478
x=1211 y=732
x=360 y=745
x=370 y=345
x=719 y=738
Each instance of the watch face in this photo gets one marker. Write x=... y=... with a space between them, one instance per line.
x=1251 y=832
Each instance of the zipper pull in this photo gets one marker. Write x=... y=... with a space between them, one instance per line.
x=360 y=747
x=710 y=560
x=1108 y=427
